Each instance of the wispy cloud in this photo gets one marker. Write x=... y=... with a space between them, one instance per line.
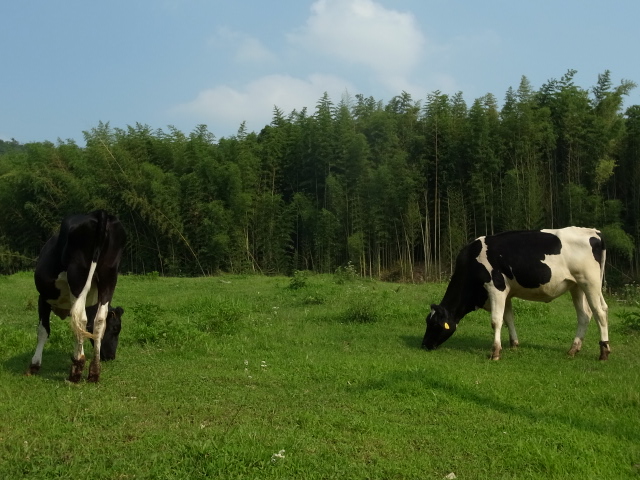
x=255 y=101
x=363 y=32
x=248 y=49
x=385 y=46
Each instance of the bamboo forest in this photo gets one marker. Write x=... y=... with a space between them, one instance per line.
x=392 y=190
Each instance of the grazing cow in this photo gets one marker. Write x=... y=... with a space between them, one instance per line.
x=76 y=276
x=532 y=265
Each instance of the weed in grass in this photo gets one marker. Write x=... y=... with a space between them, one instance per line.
x=361 y=309
x=299 y=279
x=630 y=320
x=153 y=324
x=345 y=274
x=215 y=315
x=151 y=276
x=277 y=457
x=629 y=294
x=314 y=298
x=149 y=325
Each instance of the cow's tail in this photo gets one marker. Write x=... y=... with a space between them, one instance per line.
x=100 y=239
x=603 y=261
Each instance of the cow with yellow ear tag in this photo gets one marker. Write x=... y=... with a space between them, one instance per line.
x=536 y=265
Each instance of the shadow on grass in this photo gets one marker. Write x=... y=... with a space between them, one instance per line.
x=432 y=380
x=460 y=343
x=55 y=364
x=464 y=343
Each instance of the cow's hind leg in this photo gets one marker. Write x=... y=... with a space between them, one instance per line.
x=99 y=325
x=583 y=313
x=44 y=330
x=508 y=318
x=600 y=309
x=79 y=322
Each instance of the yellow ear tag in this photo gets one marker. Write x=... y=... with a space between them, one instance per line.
x=446 y=326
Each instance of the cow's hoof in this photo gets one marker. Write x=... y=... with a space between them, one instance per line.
x=514 y=343
x=605 y=350
x=77 y=366
x=94 y=373
x=33 y=369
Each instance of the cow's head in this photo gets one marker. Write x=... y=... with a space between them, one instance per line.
x=109 y=343
x=439 y=327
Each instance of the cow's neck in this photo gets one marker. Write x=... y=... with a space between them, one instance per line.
x=458 y=300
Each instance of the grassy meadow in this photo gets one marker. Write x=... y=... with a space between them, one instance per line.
x=316 y=377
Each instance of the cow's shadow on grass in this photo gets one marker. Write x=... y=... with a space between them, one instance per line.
x=433 y=380
x=55 y=364
x=469 y=343
x=454 y=343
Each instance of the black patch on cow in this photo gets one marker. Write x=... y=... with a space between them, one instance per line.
x=597 y=247
x=520 y=255
x=498 y=280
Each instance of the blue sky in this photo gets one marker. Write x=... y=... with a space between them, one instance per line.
x=70 y=64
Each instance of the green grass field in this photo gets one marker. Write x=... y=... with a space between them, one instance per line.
x=315 y=377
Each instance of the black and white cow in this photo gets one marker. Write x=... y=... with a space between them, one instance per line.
x=76 y=276
x=533 y=265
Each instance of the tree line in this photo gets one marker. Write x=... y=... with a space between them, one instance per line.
x=394 y=190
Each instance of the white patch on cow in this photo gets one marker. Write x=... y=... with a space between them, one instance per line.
x=42 y=339
x=482 y=256
x=65 y=300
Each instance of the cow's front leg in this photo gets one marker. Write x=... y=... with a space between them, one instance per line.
x=99 y=325
x=583 y=312
x=497 y=315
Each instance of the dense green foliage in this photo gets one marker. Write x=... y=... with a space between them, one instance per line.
x=394 y=189
x=215 y=375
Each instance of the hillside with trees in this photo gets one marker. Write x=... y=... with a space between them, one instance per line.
x=395 y=189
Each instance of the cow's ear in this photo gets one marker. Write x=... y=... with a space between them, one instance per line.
x=119 y=310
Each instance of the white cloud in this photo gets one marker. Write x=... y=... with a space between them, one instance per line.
x=385 y=46
x=254 y=102
x=251 y=50
x=248 y=49
x=363 y=32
